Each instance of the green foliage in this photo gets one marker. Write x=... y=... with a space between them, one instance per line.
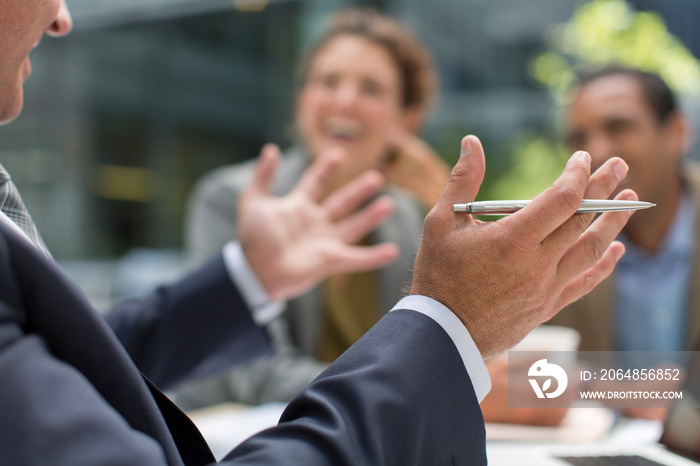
x=536 y=163
x=603 y=32
x=600 y=32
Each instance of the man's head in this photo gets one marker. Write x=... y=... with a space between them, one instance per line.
x=633 y=115
x=22 y=25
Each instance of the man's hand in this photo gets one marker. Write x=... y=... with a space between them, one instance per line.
x=293 y=242
x=504 y=278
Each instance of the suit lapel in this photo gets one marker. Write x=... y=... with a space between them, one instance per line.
x=75 y=333
x=192 y=447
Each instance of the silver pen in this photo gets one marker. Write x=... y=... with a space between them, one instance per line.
x=587 y=206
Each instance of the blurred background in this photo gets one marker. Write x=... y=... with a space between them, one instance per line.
x=145 y=96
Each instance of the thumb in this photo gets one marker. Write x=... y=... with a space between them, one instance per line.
x=466 y=176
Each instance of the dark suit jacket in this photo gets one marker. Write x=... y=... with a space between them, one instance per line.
x=70 y=394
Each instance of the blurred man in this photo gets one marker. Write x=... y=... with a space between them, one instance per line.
x=406 y=393
x=650 y=302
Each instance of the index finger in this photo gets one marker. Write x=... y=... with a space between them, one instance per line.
x=314 y=181
x=555 y=205
x=350 y=197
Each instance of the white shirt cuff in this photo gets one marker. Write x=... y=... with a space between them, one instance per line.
x=263 y=308
x=471 y=357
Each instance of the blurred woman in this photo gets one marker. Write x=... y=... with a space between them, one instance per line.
x=364 y=90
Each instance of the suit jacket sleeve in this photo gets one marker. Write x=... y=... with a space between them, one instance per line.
x=196 y=327
x=401 y=395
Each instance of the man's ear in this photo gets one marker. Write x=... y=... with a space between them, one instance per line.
x=413 y=119
x=680 y=133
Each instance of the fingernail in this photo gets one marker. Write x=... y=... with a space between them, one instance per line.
x=584 y=157
x=619 y=253
x=621 y=170
x=466 y=147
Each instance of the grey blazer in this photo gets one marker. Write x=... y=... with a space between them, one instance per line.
x=211 y=222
